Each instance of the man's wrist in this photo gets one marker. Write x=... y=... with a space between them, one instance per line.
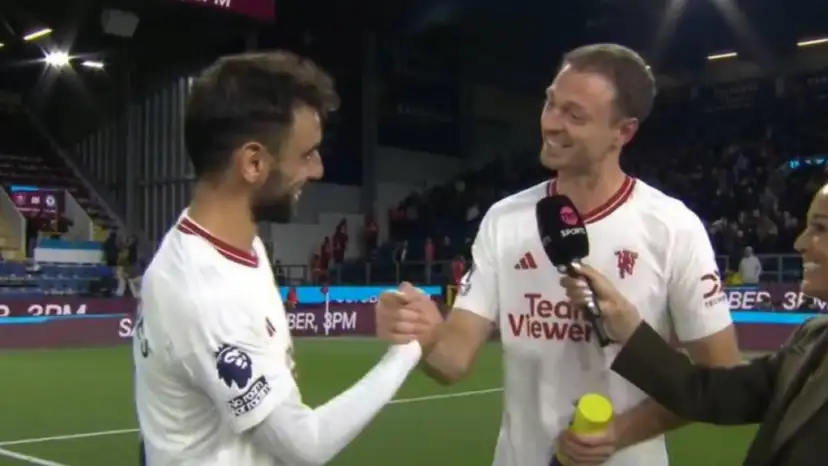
x=429 y=341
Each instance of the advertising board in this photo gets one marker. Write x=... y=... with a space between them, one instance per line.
x=345 y=294
x=52 y=322
x=33 y=201
x=764 y=317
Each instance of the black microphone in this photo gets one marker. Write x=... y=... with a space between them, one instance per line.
x=565 y=241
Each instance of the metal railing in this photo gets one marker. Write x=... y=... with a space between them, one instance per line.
x=777 y=268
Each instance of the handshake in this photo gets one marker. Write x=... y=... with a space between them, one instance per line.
x=407 y=314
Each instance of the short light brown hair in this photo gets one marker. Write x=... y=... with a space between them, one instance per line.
x=635 y=87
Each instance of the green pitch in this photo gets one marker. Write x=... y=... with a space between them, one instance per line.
x=74 y=407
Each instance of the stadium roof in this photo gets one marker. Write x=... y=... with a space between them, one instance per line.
x=89 y=68
x=518 y=41
x=674 y=35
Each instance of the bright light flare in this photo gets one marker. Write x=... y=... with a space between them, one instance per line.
x=96 y=65
x=57 y=59
x=810 y=42
x=722 y=56
x=34 y=35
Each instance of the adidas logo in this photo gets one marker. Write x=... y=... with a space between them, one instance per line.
x=527 y=262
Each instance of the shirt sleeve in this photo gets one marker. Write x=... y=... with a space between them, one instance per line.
x=299 y=435
x=247 y=375
x=732 y=395
x=697 y=302
x=234 y=362
x=477 y=291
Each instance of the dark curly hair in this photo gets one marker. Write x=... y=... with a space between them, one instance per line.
x=250 y=96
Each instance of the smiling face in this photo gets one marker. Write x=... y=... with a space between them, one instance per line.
x=580 y=124
x=812 y=244
x=253 y=126
x=277 y=180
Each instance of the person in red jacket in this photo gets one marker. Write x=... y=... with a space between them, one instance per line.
x=292 y=299
x=340 y=242
x=317 y=272
x=371 y=236
x=428 y=253
x=458 y=268
x=325 y=253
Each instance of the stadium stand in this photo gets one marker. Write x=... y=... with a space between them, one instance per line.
x=740 y=136
x=19 y=280
x=36 y=164
x=690 y=141
x=26 y=159
x=749 y=171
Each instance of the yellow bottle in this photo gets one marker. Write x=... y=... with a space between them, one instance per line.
x=593 y=414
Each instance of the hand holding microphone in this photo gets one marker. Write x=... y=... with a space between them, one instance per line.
x=566 y=243
x=619 y=317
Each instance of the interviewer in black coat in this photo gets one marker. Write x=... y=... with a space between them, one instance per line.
x=786 y=392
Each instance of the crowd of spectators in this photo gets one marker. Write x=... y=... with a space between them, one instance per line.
x=330 y=254
x=746 y=158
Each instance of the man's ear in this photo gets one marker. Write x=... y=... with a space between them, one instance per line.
x=252 y=160
x=626 y=131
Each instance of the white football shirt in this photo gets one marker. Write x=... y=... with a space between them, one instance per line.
x=211 y=332
x=213 y=364
x=654 y=250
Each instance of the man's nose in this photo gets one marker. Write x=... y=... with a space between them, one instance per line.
x=316 y=170
x=551 y=121
x=318 y=173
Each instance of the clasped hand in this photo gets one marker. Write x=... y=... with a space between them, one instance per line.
x=620 y=319
x=407 y=314
x=586 y=450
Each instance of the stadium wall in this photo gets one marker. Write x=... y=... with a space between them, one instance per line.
x=140 y=158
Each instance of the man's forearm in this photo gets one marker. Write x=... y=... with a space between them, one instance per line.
x=439 y=365
x=435 y=374
x=443 y=358
x=647 y=420
x=297 y=434
x=454 y=345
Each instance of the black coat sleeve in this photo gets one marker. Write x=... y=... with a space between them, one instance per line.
x=717 y=395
